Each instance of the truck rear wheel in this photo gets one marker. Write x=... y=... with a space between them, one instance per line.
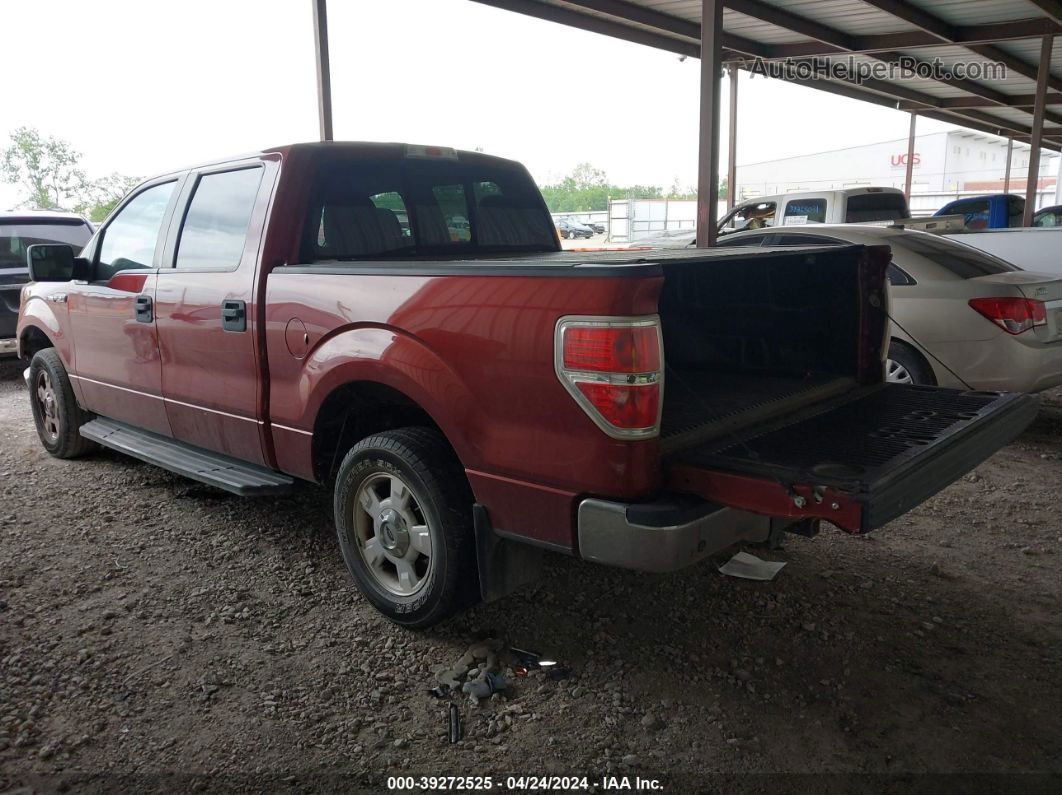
x=403 y=514
x=56 y=413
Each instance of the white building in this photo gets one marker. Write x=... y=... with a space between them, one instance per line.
x=946 y=165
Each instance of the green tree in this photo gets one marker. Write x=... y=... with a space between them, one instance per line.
x=588 y=188
x=47 y=169
x=724 y=188
x=101 y=196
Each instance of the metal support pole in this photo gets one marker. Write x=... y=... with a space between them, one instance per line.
x=324 y=77
x=1006 y=174
x=731 y=172
x=708 y=128
x=1043 y=72
x=910 y=157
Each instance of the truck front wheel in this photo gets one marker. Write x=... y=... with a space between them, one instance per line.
x=56 y=413
x=403 y=513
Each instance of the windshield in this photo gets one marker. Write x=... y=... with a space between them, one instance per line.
x=875 y=207
x=372 y=209
x=16 y=237
x=964 y=261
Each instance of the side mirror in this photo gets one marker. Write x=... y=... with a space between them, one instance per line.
x=53 y=262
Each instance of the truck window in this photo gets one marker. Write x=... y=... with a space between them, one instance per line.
x=129 y=239
x=805 y=211
x=964 y=261
x=365 y=209
x=975 y=212
x=451 y=202
x=865 y=207
x=751 y=216
x=215 y=227
x=1015 y=211
x=16 y=237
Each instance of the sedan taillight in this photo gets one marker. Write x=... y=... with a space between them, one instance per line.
x=1013 y=315
x=613 y=367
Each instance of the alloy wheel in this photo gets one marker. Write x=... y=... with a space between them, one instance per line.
x=49 y=410
x=896 y=373
x=392 y=534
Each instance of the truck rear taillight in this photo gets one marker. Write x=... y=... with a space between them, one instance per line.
x=613 y=367
x=1013 y=315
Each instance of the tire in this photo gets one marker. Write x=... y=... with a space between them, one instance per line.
x=906 y=366
x=412 y=556
x=55 y=410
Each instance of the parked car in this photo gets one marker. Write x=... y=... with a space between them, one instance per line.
x=848 y=206
x=994 y=211
x=1048 y=217
x=1034 y=248
x=18 y=231
x=599 y=229
x=962 y=317
x=253 y=322
x=570 y=229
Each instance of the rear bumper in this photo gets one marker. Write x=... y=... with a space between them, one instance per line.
x=8 y=347
x=1005 y=363
x=662 y=536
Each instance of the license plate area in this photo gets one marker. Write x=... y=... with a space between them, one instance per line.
x=858 y=464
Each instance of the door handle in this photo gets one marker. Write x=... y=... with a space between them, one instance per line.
x=234 y=315
x=143 y=307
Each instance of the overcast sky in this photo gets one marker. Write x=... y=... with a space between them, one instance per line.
x=144 y=87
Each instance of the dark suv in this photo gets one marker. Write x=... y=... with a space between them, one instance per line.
x=17 y=231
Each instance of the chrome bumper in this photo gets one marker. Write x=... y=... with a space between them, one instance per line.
x=663 y=536
x=8 y=346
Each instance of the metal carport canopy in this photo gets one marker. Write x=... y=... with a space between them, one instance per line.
x=1026 y=104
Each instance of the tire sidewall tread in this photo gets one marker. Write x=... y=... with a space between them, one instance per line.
x=420 y=457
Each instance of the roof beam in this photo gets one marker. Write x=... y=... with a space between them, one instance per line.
x=790 y=21
x=663 y=36
x=607 y=27
x=1013 y=101
x=971 y=35
x=950 y=34
x=914 y=16
x=1052 y=8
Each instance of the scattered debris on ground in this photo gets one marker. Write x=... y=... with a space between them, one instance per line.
x=150 y=628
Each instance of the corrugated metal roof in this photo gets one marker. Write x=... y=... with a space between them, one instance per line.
x=954 y=31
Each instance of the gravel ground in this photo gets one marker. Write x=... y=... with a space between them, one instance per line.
x=158 y=634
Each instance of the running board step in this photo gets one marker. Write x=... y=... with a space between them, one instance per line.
x=213 y=469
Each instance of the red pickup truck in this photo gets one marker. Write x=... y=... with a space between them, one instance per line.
x=399 y=322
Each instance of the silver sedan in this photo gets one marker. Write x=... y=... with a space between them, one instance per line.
x=961 y=317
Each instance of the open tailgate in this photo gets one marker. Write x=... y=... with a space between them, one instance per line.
x=859 y=463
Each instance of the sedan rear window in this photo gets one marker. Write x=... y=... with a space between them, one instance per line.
x=372 y=209
x=964 y=261
x=16 y=237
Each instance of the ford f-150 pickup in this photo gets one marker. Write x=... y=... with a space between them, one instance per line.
x=399 y=322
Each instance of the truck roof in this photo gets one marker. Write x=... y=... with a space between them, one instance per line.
x=375 y=150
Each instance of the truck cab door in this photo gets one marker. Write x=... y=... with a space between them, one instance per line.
x=117 y=369
x=205 y=310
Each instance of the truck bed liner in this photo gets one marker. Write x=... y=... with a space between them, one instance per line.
x=889 y=449
x=696 y=401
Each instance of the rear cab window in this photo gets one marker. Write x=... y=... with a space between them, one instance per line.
x=361 y=209
x=865 y=207
x=18 y=234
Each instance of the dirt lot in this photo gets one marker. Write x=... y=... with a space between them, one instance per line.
x=159 y=634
